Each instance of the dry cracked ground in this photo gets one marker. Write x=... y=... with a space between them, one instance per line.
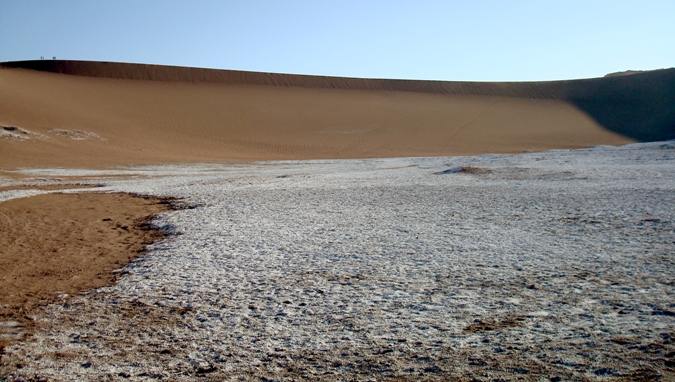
x=538 y=266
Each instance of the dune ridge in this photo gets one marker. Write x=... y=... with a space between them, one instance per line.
x=566 y=89
x=152 y=114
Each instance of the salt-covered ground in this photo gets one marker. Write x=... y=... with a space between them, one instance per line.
x=556 y=264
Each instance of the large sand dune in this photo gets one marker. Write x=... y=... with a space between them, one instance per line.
x=95 y=114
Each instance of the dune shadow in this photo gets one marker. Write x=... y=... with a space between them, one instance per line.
x=639 y=106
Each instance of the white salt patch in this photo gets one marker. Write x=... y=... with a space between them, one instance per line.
x=76 y=135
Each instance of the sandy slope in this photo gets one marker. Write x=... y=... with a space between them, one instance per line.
x=103 y=114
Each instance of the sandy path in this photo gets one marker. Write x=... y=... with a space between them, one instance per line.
x=46 y=187
x=62 y=244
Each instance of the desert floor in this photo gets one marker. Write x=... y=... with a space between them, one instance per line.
x=556 y=264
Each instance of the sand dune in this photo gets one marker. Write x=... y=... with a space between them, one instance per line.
x=98 y=114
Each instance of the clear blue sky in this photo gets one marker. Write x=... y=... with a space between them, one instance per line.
x=446 y=40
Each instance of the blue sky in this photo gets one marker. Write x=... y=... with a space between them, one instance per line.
x=445 y=40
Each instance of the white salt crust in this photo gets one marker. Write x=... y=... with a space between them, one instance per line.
x=536 y=265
